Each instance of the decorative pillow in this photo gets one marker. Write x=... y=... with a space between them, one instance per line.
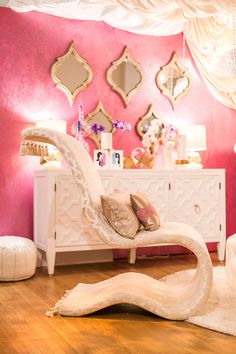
x=145 y=211
x=118 y=211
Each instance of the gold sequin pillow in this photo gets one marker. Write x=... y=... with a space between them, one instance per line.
x=145 y=211
x=118 y=211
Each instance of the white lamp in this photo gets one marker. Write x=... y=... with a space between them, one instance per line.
x=54 y=158
x=196 y=141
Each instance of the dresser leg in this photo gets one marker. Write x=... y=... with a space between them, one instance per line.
x=50 y=256
x=132 y=255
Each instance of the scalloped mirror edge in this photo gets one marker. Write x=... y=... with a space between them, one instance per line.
x=173 y=61
x=99 y=108
x=150 y=112
x=125 y=56
x=62 y=60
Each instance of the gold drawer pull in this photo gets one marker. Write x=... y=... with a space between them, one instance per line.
x=197 y=208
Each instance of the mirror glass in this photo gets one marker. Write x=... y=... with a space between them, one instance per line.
x=145 y=122
x=174 y=80
x=71 y=73
x=125 y=76
x=101 y=118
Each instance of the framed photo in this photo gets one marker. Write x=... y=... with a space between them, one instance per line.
x=116 y=159
x=101 y=158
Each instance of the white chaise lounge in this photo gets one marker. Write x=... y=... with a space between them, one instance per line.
x=171 y=302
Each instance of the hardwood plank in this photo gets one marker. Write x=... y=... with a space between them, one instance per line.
x=24 y=328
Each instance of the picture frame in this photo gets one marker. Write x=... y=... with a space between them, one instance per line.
x=101 y=158
x=116 y=159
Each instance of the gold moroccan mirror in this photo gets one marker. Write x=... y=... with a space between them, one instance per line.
x=125 y=76
x=174 y=80
x=99 y=118
x=145 y=122
x=71 y=72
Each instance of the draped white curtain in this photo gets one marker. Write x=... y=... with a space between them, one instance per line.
x=207 y=25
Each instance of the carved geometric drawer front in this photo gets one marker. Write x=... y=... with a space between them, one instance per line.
x=195 y=201
x=108 y=185
x=156 y=189
x=71 y=226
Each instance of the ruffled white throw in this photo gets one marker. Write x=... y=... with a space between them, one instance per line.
x=219 y=312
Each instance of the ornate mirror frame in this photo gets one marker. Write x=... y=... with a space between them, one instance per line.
x=173 y=66
x=125 y=57
x=149 y=116
x=64 y=70
x=94 y=117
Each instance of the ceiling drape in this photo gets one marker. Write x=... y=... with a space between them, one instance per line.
x=208 y=26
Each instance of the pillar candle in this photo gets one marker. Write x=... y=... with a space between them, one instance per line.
x=106 y=140
x=182 y=148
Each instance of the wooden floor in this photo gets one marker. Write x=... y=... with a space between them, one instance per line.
x=24 y=328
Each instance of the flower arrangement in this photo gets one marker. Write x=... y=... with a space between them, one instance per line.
x=122 y=125
x=98 y=128
x=153 y=136
x=169 y=136
x=158 y=134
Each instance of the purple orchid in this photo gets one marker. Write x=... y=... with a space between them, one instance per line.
x=122 y=125
x=95 y=128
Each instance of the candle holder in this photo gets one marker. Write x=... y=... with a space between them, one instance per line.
x=106 y=141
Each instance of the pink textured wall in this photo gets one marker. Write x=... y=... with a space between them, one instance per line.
x=30 y=42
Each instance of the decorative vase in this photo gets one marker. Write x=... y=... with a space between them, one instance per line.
x=167 y=158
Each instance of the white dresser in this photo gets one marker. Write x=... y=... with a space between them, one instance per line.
x=195 y=197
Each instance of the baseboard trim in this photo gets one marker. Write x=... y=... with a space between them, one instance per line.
x=77 y=257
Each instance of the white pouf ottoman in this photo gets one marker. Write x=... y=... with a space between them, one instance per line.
x=231 y=261
x=18 y=256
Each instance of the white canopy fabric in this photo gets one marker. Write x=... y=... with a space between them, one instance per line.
x=208 y=25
